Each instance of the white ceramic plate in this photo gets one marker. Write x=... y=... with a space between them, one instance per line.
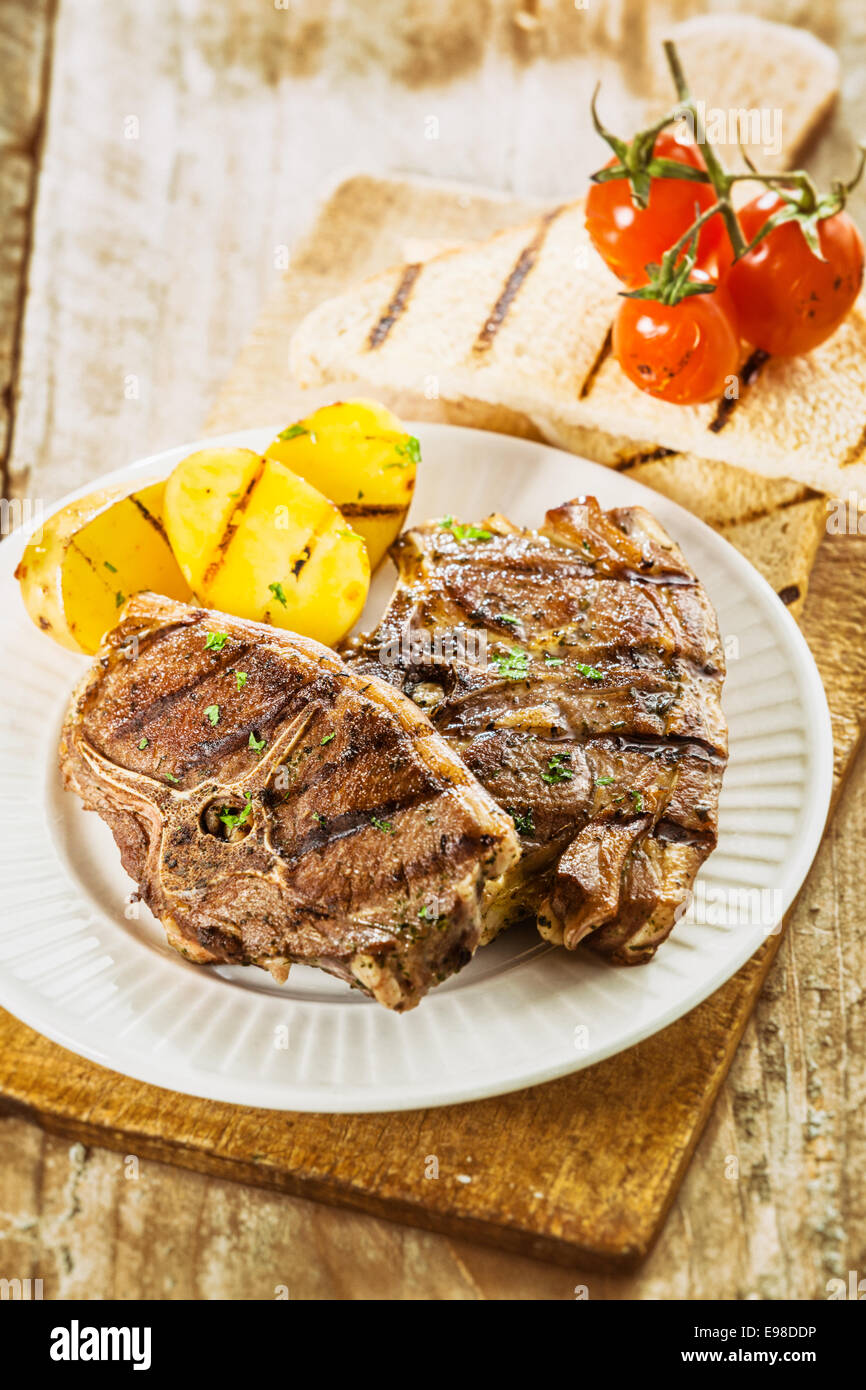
x=75 y=964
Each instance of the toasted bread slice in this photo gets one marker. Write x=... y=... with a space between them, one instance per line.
x=782 y=79
x=521 y=322
x=777 y=523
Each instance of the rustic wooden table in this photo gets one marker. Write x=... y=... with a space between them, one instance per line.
x=156 y=163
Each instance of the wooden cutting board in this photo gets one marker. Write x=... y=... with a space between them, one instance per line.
x=582 y=1170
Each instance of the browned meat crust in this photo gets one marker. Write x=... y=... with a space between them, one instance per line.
x=275 y=806
x=594 y=718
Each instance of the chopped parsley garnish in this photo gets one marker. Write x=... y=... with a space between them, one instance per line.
x=109 y=566
x=604 y=781
x=279 y=593
x=231 y=819
x=292 y=431
x=409 y=451
x=143 y=743
x=382 y=825
x=170 y=777
x=558 y=770
x=118 y=599
x=523 y=822
x=514 y=665
x=241 y=679
x=257 y=744
x=317 y=817
x=637 y=798
x=463 y=531
x=426 y=914
x=327 y=739
x=552 y=660
x=507 y=618
x=215 y=641
x=591 y=672
x=213 y=714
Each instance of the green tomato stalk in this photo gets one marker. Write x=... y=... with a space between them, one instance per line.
x=635 y=161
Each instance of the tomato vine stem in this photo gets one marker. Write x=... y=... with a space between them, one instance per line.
x=635 y=160
x=719 y=178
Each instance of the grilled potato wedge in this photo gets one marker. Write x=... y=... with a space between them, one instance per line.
x=358 y=454
x=256 y=540
x=90 y=556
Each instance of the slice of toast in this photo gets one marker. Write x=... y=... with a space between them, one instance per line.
x=524 y=320
x=521 y=322
x=777 y=523
x=369 y=222
x=783 y=80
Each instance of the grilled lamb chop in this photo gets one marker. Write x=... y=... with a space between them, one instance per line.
x=276 y=806
x=594 y=716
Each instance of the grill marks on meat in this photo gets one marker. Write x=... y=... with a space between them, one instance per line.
x=318 y=819
x=595 y=718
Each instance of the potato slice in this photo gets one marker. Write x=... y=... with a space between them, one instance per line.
x=255 y=540
x=358 y=454
x=90 y=556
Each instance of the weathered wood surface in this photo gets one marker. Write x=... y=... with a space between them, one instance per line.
x=153 y=267
x=25 y=60
x=771 y=1206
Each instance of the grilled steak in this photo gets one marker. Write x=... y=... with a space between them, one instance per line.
x=593 y=716
x=276 y=806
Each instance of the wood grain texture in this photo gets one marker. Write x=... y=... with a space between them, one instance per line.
x=566 y=1185
x=771 y=1207
x=25 y=61
x=128 y=276
x=552 y=1170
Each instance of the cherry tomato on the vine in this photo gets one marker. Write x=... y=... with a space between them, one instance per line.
x=685 y=352
x=787 y=301
x=629 y=238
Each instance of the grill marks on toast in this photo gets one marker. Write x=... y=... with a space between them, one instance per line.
x=501 y=307
x=646 y=456
x=526 y=369
x=805 y=494
x=358 y=817
x=748 y=374
x=603 y=737
x=601 y=357
x=514 y=283
x=856 y=452
x=396 y=306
